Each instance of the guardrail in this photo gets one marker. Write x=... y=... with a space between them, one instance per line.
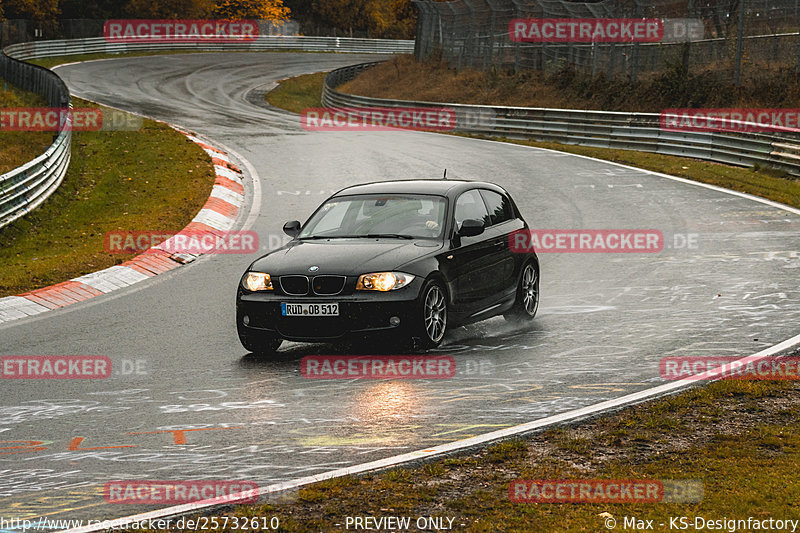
x=604 y=129
x=26 y=187
x=99 y=45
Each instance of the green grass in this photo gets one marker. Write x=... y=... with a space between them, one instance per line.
x=298 y=93
x=150 y=179
x=19 y=147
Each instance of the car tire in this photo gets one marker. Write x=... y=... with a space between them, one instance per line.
x=431 y=319
x=261 y=346
x=526 y=302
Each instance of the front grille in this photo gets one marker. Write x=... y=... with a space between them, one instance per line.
x=294 y=285
x=328 y=285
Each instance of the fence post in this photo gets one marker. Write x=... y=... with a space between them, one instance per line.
x=635 y=59
x=739 y=46
x=797 y=71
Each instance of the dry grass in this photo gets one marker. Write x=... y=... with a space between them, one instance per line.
x=404 y=79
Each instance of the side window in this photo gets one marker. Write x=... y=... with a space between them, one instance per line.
x=500 y=209
x=470 y=205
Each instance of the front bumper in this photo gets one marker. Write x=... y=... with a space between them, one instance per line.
x=259 y=314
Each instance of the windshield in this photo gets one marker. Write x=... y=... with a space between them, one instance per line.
x=397 y=216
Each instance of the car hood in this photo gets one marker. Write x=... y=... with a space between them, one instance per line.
x=344 y=256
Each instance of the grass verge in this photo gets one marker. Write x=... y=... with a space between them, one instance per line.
x=19 y=147
x=403 y=78
x=153 y=179
x=298 y=93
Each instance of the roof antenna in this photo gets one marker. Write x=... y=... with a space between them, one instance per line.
x=445 y=174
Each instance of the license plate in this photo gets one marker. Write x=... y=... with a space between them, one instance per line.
x=310 y=309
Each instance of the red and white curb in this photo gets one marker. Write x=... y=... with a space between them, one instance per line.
x=218 y=215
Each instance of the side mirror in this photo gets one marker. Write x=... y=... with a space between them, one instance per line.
x=292 y=228
x=470 y=228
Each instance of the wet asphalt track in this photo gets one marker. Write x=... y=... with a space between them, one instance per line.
x=605 y=320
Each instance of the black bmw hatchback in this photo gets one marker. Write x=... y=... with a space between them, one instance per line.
x=406 y=258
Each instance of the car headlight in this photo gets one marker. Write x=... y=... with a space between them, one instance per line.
x=383 y=281
x=257 y=281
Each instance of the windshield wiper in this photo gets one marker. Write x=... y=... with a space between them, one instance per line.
x=386 y=235
x=367 y=236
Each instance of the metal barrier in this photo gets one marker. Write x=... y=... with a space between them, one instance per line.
x=25 y=188
x=99 y=45
x=604 y=129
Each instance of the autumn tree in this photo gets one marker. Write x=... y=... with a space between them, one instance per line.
x=391 y=19
x=92 y=9
x=379 y=18
x=251 y=9
x=38 y=10
x=303 y=12
x=170 y=9
x=347 y=15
